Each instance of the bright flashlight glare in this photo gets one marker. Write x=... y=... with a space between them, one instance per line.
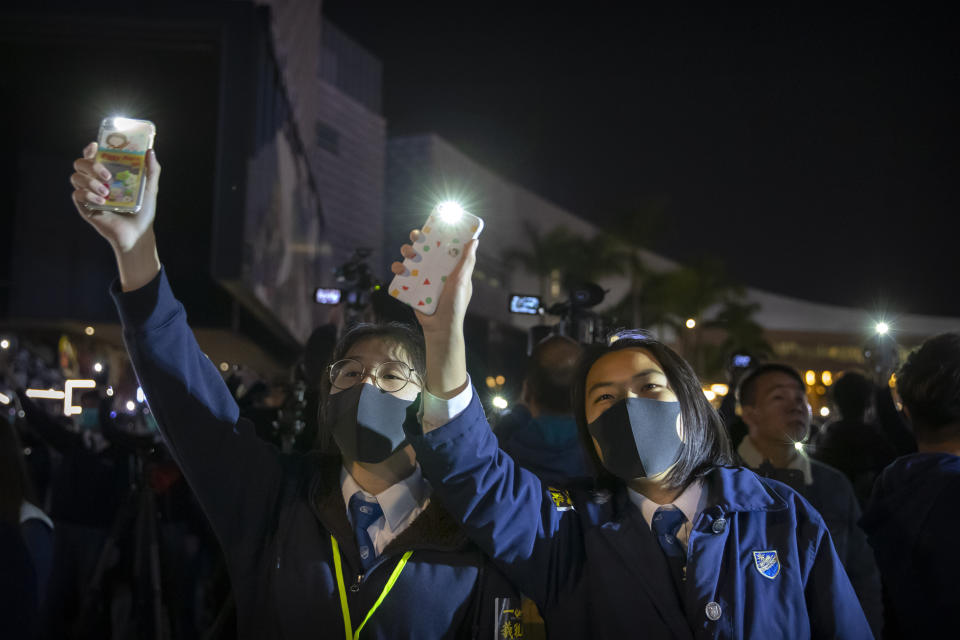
x=140 y=396
x=4 y=344
x=499 y=402
x=110 y=391
x=98 y=367
x=449 y=211
x=798 y=446
x=4 y=399
x=883 y=328
x=691 y=323
x=122 y=124
x=131 y=405
x=825 y=411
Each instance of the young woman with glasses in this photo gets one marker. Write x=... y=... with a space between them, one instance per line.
x=674 y=542
x=340 y=542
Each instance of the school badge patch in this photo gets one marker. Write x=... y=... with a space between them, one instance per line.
x=560 y=498
x=767 y=563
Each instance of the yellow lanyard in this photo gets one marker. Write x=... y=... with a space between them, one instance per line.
x=347 y=625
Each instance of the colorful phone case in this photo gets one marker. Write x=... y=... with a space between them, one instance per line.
x=438 y=253
x=122 y=149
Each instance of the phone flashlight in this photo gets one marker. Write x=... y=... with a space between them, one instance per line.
x=449 y=211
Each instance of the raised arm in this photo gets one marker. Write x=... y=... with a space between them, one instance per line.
x=536 y=540
x=235 y=475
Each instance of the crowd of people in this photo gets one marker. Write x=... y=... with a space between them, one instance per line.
x=613 y=501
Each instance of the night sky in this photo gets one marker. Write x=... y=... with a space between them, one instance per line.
x=814 y=152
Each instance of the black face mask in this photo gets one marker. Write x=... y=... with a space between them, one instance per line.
x=638 y=437
x=366 y=423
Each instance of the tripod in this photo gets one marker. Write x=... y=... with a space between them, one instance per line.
x=138 y=515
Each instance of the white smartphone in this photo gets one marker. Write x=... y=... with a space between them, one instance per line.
x=122 y=146
x=439 y=249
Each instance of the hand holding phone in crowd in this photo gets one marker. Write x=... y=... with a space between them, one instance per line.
x=129 y=234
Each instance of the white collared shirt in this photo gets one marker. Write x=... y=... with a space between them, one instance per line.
x=690 y=502
x=401 y=503
x=753 y=458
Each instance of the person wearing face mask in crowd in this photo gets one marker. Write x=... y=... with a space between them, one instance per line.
x=675 y=543
x=774 y=406
x=330 y=543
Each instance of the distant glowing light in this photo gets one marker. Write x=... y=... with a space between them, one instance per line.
x=4 y=344
x=4 y=398
x=691 y=323
x=500 y=402
x=882 y=328
x=720 y=389
x=98 y=367
x=45 y=394
x=70 y=409
x=500 y=380
x=798 y=446
x=827 y=378
x=825 y=411
x=810 y=377
x=140 y=396
x=131 y=405
x=892 y=382
x=110 y=391
x=449 y=211
x=224 y=366
x=89 y=331
x=491 y=382
x=711 y=396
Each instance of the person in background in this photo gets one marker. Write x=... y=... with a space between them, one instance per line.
x=541 y=433
x=673 y=543
x=774 y=406
x=912 y=518
x=851 y=444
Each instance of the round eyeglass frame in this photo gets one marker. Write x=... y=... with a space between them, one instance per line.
x=374 y=373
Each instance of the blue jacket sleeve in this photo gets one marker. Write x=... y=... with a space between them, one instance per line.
x=235 y=475
x=536 y=542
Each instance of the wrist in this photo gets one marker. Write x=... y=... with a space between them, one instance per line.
x=139 y=263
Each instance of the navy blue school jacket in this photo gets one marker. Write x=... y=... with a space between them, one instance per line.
x=594 y=569
x=274 y=514
x=913 y=523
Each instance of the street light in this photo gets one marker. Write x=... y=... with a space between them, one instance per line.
x=691 y=323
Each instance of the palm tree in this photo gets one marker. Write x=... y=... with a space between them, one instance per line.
x=636 y=230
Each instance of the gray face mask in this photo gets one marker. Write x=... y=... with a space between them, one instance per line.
x=366 y=423
x=638 y=437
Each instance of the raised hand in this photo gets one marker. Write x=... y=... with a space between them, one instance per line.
x=443 y=331
x=129 y=234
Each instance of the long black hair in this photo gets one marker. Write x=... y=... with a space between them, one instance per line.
x=706 y=444
x=400 y=335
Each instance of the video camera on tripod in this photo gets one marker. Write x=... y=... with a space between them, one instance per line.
x=577 y=321
x=356 y=281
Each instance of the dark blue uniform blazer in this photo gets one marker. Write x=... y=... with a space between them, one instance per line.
x=595 y=570
x=274 y=514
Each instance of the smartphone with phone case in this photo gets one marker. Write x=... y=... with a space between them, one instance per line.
x=438 y=250
x=122 y=146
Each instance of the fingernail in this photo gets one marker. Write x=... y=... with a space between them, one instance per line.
x=98 y=200
x=104 y=174
x=103 y=190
